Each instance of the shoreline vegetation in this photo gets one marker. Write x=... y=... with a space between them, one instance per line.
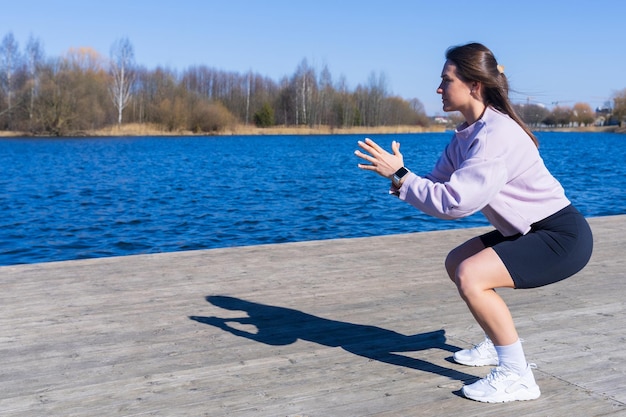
x=83 y=94
x=137 y=130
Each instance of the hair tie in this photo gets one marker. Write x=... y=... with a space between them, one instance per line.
x=500 y=69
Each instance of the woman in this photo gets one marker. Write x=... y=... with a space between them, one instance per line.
x=492 y=164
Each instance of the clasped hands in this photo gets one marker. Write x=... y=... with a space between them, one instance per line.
x=380 y=161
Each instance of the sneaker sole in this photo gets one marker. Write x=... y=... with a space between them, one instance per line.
x=522 y=395
x=476 y=363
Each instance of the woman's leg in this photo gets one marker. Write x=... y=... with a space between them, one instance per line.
x=477 y=270
x=476 y=278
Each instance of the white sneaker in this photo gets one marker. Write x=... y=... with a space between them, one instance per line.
x=483 y=354
x=502 y=385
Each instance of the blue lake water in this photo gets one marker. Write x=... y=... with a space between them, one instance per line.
x=82 y=198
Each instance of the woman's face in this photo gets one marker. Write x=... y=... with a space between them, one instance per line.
x=455 y=93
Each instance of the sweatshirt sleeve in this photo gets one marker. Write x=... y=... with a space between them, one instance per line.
x=467 y=190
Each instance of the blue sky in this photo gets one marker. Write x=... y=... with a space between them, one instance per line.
x=552 y=51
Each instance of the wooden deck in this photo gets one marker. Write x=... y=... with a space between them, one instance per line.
x=355 y=327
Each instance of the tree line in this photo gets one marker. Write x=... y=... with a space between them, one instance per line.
x=580 y=114
x=83 y=91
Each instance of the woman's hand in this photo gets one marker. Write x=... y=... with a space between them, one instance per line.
x=380 y=161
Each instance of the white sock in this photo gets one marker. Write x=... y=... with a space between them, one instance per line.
x=512 y=357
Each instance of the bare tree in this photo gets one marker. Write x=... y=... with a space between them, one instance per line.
x=122 y=72
x=54 y=103
x=583 y=114
x=305 y=84
x=377 y=92
x=560 y=116
x=532 y=114
x=249 y=87
x=326 y=97
x=9 y=63
x=619 y=107
x=34 y=59
x=344 y=104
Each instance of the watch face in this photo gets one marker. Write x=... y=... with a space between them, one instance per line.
x=401 y=173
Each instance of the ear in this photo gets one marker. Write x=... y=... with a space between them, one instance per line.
x=475 y=87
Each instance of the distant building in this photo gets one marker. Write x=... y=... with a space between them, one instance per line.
x=604 y=117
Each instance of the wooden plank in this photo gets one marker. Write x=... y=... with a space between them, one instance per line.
x=348 y=327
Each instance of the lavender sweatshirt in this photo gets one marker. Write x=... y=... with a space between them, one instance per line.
x=491 y=166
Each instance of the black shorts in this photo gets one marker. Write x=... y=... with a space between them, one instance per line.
x=555 y=248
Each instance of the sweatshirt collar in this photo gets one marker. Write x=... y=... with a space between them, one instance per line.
x=464 y=131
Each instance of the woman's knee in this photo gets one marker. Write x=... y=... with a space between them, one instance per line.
x=466 y=279
x=459 y=254
x=481 y=272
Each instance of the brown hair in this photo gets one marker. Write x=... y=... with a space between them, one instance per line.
x=475 y=62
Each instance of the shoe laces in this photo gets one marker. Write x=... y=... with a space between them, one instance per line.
x=498 y=373
x=485 y=346
x=502 y=372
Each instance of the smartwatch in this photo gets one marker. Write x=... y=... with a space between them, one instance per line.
x=397 y=177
